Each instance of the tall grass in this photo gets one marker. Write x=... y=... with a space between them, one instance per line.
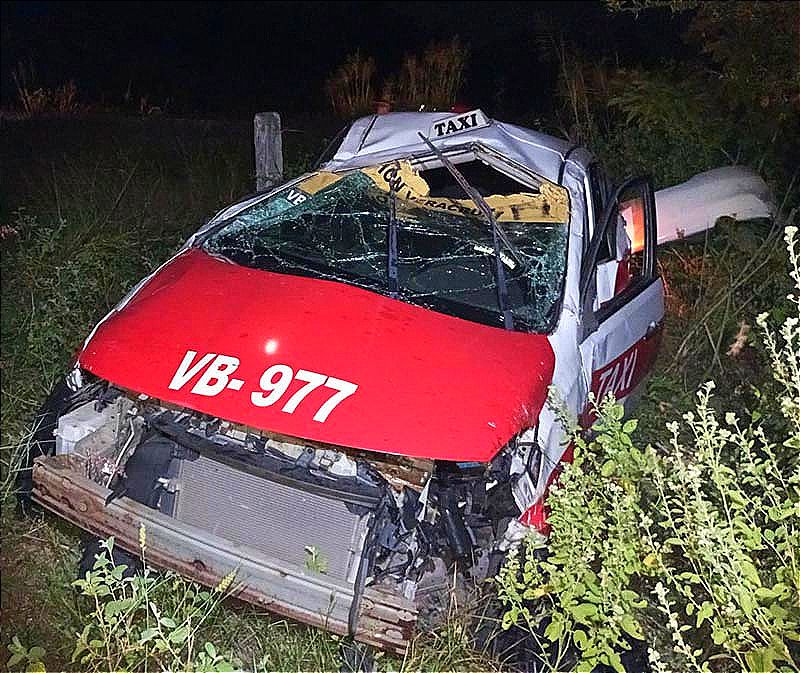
x=350 y=88
x=432 y=79
x=428 y=81
x=100 y=211
x=581 y=83
x=38 y=101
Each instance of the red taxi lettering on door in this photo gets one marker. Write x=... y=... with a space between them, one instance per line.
x=621 y=376
x=616 y=377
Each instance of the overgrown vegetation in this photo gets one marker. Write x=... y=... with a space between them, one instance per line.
x=737 y=101
x=135 y=619
x=689 y=542
x=36 y=100
x=430 y=80
x=696 y=540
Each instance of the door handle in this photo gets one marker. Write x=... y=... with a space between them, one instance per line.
x=652 y=329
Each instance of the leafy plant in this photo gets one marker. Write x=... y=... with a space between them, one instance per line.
x=695 y=544
x=574 y=589
x=315 y=560
x=133 y=619
x=746 y=66
x=30 y=657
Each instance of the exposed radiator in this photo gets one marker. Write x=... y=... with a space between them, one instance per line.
x=279 y=520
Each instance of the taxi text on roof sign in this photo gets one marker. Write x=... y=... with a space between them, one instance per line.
x=458 y=123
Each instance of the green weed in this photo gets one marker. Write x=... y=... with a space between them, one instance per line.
x=694 y=541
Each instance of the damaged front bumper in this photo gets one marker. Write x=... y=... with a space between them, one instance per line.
x=384 y=619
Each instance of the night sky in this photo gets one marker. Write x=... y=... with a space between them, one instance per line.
x=228 y=59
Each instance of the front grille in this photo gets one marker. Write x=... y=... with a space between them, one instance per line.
x=279 y=520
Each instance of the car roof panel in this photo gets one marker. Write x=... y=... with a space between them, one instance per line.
x=379 y=138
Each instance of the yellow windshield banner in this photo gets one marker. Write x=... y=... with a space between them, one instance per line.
x=549 y=205
x=318 y=181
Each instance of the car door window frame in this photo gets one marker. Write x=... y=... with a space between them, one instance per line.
x=598 y=196
x=591 y=318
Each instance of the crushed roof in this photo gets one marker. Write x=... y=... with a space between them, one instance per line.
x=379 y=138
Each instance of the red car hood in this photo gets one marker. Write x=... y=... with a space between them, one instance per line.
x=202 y=331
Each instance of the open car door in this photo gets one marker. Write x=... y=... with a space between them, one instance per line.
x=621 y=334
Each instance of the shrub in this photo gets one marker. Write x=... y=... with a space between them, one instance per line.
x=350 y=89
x=134 y=621
x=432 y=79
x=746 y=68
x=694 y=544
x=578 y=593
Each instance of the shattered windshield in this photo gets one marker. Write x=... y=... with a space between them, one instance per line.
x=335 y=226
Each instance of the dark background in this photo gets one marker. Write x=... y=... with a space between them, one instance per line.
x=228 y=59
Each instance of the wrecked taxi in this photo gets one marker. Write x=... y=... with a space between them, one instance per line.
x=339 y=388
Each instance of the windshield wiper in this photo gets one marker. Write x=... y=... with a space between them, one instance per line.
x=394 y=285
x=498 y=234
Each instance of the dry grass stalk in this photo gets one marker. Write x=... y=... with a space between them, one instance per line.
x=582 y=84
x=350 y=89
x=433 y=79
x=739 y=341
x=41 y=102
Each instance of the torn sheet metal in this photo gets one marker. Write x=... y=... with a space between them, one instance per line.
x=399 y=471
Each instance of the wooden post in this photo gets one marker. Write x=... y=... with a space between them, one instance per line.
x=269 y=150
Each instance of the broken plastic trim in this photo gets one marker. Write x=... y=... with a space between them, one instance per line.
x=208 y=449
x=368 y=553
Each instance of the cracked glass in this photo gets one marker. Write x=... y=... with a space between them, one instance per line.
x=336 y=227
